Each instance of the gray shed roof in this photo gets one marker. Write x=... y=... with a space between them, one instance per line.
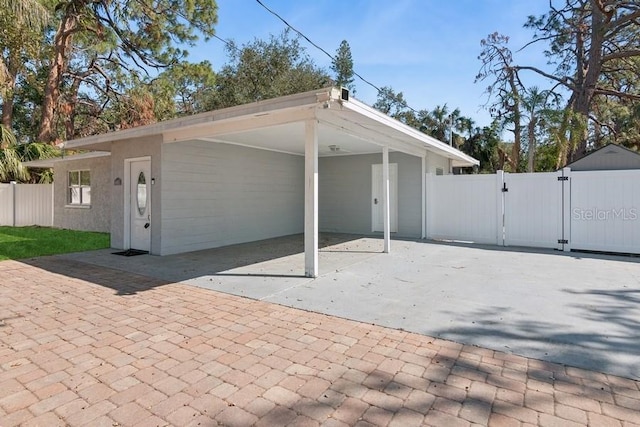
x=609 y=157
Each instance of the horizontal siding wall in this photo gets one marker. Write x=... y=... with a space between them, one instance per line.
x=33 y=204
x=219 y=194
x=345 y=193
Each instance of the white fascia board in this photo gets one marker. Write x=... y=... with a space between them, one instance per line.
x=430 y=142
x=373 y=136
x=221 y=127
x=298 y=100
x=49 y=163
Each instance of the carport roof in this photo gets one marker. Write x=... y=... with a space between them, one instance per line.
x=345 y=126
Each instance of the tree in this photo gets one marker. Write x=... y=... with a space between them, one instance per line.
x=97 y=42
x=589 y=42
x=536 y=106
x=497 y=64
x=266 y=69
x=22 y=22
x=342 y=66
x=189 y=87
x=13 y=154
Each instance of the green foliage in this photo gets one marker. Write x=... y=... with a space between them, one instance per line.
x=441 y=123
x=342 y=66
x=188 y=88
x=29 y=242
x=266 y=69
x=13 y=154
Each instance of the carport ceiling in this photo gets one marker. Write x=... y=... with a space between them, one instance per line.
x=289 y=138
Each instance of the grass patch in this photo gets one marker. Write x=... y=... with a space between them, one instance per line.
x=29 y=242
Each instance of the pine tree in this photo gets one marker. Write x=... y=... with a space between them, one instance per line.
x=342 y=66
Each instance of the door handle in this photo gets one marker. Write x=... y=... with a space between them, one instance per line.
x=375 y=201
x=147 y=225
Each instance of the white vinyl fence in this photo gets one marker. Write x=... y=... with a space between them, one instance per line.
x=595 y=210
x=26 y=204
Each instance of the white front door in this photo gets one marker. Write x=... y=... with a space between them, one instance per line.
x=140 y=205
x=377 y=213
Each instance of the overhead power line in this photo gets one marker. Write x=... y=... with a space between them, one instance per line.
x=301 y=34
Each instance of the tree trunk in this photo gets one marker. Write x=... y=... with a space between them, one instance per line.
x=517 y=125
x=61 y=46
x=531 y=164
x=589 y=73
x=7 y=110
x=9 y=95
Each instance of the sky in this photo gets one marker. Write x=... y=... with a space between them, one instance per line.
x=426 y=49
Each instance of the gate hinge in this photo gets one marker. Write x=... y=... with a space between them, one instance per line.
x=563 y=178
x=504 y=187
x=563 y=241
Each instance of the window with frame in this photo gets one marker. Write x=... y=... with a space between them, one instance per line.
x=79 y=188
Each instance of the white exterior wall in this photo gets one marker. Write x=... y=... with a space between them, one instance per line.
x=435 y=162
x=219 y=194
x=345 y=191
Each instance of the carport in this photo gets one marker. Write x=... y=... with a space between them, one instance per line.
x=311 y=125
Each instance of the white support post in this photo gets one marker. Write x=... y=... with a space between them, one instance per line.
x=385 y=199
x=566 y=210
x=423 y=174
x=311 y=199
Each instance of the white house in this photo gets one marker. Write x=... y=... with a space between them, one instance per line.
x=318 y=160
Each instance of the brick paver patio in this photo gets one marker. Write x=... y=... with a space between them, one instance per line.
x=104 y=348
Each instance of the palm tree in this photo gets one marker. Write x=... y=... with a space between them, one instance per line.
x=13 y=154
x=11 y=168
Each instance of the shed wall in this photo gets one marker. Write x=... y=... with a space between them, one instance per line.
x=345 y=193
x=220 y=194
x=96 y=217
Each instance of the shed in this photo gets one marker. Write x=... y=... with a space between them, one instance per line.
x=314 y=161
x=609 y=157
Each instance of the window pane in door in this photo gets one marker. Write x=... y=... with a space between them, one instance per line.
x=142 y=194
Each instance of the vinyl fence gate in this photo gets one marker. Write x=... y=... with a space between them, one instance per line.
x=594 y=210
x=26 y=204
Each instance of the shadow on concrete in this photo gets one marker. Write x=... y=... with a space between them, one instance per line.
x=228 y=261
x=614 y=351
x=632 y=258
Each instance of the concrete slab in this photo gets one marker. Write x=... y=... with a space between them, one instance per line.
x=578 y=309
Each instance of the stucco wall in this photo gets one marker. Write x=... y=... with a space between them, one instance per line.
x=345 y=193
x=95 y=217
x=220 y=194
x=149 y=146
